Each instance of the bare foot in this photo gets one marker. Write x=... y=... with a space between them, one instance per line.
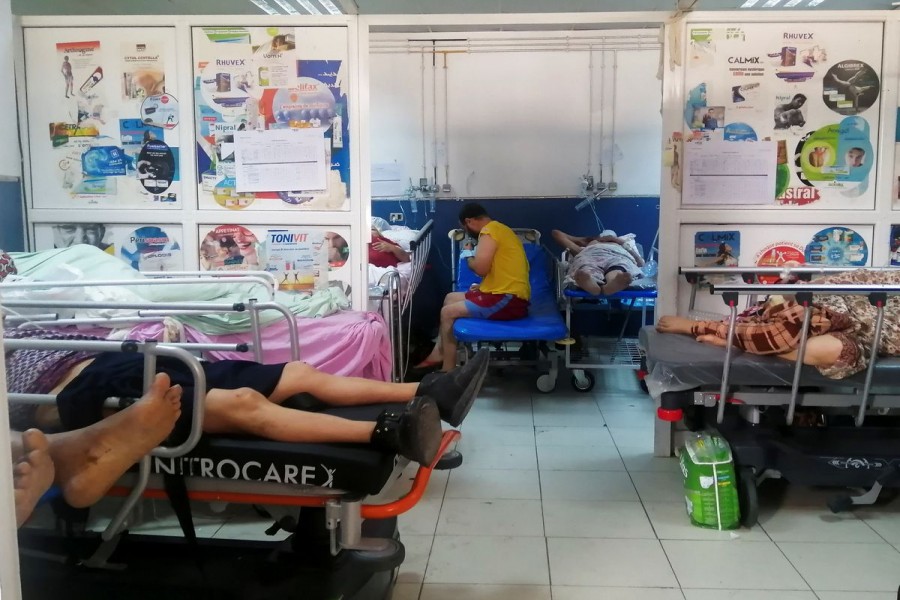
x=33 y=475
x=90 y=460
x=673 y=324
x=587 y=283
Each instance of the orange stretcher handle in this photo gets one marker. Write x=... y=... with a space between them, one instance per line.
x=369 y=511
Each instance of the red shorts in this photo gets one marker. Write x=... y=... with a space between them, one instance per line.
x=496 y=307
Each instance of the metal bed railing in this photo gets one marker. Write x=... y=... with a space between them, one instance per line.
x=877 y=296
x=390 y=286
x=750 y=275
x=152 y=311
x=266 y=280
x=150 y=350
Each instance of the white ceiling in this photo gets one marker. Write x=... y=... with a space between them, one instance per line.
x=244 y=7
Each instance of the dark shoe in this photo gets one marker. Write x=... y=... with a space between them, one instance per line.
x=455 y=391
x=413 y=431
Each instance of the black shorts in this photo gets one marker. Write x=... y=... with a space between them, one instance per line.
x=114 y=374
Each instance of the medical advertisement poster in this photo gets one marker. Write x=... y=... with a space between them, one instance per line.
x=717 y=249
x=143 y=247
x=814 y=90
x=754 y=245
x=302 y=259
x=290 y=84
x=895 y=245
x=103 y=117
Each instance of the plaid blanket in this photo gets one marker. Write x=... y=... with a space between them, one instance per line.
x=775 y=327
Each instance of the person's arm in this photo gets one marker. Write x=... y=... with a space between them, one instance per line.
x=777 y=334
x=638 y=259
x=484 y=255
x=386 y=245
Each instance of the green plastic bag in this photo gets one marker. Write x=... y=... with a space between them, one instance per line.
x=710 y=485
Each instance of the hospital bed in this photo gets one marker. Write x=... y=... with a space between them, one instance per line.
x=391 y=290
x=784 y=419
x=338 y=341
x=604 y=352
x=535 y=336
x=340 y=545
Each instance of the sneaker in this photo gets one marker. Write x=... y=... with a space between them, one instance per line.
x=455 y=391
x=413 y=431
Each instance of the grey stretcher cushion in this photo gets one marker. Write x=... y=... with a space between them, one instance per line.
x=677 y=362
x=356 y=468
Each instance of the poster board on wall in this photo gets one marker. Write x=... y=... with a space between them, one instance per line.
x=749 y=245
x=812 y=88
x=264 y=79
x=146 y=247
x=103 y=117
x=303 y=259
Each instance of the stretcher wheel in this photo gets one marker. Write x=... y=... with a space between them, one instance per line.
x=643 y=384
x=545 y=383
x=748 y=497
x=585 y=383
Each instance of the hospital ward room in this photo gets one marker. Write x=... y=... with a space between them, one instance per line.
x=494 y=300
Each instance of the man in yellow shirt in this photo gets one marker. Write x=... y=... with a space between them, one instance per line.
x=504 y=292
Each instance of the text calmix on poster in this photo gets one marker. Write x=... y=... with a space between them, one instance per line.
x=814 y=89
x=103 y=117
x=266 y=80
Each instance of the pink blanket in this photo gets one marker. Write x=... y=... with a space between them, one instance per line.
x=349 y=343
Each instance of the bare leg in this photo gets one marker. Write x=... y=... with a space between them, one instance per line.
x=449 y=314
x=89 y=461
x=821 y=350
x=249 y=412
x=299 y=377
x=33 y=475
x=437 y=353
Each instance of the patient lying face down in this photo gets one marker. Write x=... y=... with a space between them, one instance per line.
x=243 y=397
x=841 y=330
x=602 y=264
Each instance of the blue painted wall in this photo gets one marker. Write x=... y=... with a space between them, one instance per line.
x=12 y=232
x=637 y=215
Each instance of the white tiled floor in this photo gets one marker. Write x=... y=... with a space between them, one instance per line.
x=560 y=498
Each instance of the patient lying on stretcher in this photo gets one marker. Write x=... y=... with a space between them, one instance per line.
x=245 y=397
x=603 y=264
x=841 y=334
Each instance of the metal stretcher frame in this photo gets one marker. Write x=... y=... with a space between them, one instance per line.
x=399 y=301
x=150 y=350
x=663 y=437
x=620 y=356
x=153 y=311
x=344 y=514
x=877 y=295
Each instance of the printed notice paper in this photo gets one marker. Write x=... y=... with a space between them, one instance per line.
x=280 y=160
x=719 y=172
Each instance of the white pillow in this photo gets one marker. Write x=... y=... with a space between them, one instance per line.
x=401 y=236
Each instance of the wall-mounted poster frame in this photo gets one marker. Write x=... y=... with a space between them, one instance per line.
x=269 y=79
x=103 y=117
x=676 y=213
x=328 y=38
x=812 y=88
